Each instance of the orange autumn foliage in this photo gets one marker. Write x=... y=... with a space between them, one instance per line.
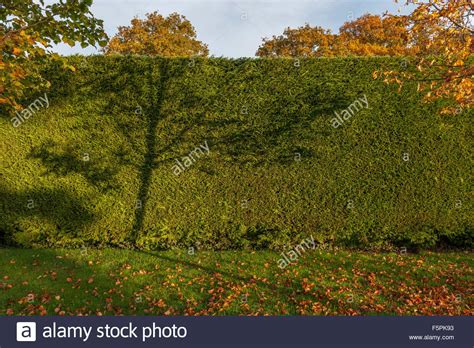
x=172 y=36
x=369 y=35
x=443 y=31
x=372 y=35
x=304 y=41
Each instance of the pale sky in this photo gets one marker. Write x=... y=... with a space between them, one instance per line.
x=236 y=28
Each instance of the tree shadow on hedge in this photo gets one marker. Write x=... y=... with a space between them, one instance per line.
x=153 y=116
x=63 y=160
x=172 y=98
x=59 y=207
x=242 y=137
x=168 y=99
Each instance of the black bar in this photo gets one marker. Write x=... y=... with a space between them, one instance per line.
x=242 y=331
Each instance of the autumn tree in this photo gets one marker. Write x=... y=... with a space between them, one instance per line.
x=156 y=35
x=28 y=28
x=305 y=41
x=374 y=35
x=369 y=35
x=444 y=31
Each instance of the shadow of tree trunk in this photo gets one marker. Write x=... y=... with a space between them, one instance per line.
x=153 y=116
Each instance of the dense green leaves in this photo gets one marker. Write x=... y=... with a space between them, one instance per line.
x=277 y=171
x=28 y=29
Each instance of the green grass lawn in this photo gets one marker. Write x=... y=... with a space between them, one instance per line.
x=114 y=282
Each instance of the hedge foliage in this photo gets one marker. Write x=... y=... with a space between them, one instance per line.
x=96 y=167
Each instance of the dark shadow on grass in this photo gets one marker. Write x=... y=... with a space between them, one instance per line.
x=286 y=291
x=50 y=273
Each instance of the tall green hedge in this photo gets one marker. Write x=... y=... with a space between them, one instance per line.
x=96 y=167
